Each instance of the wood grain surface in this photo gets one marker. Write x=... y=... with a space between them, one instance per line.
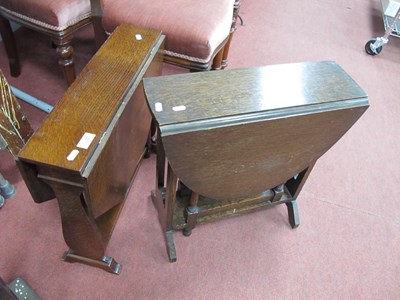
x=247 y=130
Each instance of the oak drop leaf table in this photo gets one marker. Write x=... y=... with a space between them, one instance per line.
x=87 y=151
x=239 y=140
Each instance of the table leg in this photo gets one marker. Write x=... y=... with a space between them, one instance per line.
x=294 y=187
x=80 y=230
x=293 y=213
x=295 y=184
x=170 y=245
x=106 y=263
x=170 y=198
x=192 y=213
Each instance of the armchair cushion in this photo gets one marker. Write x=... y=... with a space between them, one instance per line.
x=193 y=29
x=53 y=14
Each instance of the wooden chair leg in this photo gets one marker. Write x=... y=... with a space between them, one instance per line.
x=217 y=62
x=10 y=45
x=99 y=33
x=66 y=61
x=224 y=62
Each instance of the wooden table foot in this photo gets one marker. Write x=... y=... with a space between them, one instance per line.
x=293 y=213
x=192 y=215
x=170 y=246
x=106 y=263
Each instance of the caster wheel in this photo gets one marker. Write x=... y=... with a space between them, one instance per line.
x=2 y=201
x=369 y=50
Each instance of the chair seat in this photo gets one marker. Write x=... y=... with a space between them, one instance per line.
x=54 y=15
x=193 y=35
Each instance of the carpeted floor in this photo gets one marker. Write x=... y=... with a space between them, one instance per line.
x=348 y=243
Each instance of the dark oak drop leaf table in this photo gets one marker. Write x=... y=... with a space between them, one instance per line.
x=234 y=141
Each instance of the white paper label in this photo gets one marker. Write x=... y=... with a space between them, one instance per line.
x=86 y=140
x=179 y=108
x=74 y=153
x=158 y=106
x=138 y=37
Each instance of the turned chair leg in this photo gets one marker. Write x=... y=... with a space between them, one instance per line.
x=224 y=62
x=10 y=45
x=65 y=59
x=225 y=50
x=217 y=61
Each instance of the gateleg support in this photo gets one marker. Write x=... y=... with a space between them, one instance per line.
x=191 y=220
x=293 y=213
x=192 y=214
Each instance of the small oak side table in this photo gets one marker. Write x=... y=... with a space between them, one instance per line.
x=234 y=141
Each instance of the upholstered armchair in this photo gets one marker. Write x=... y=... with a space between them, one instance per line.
x=198 y=33
x=58 y=19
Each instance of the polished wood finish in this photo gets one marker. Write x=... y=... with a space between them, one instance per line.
x=61 y=39
x=247 y=138
x=106 y=100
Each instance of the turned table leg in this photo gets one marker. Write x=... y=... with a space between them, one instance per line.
x=192 y=213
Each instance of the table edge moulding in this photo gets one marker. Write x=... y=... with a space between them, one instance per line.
x=238 y=140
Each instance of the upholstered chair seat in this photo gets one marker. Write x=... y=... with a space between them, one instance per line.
x=196 y=31
x=58 y=19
